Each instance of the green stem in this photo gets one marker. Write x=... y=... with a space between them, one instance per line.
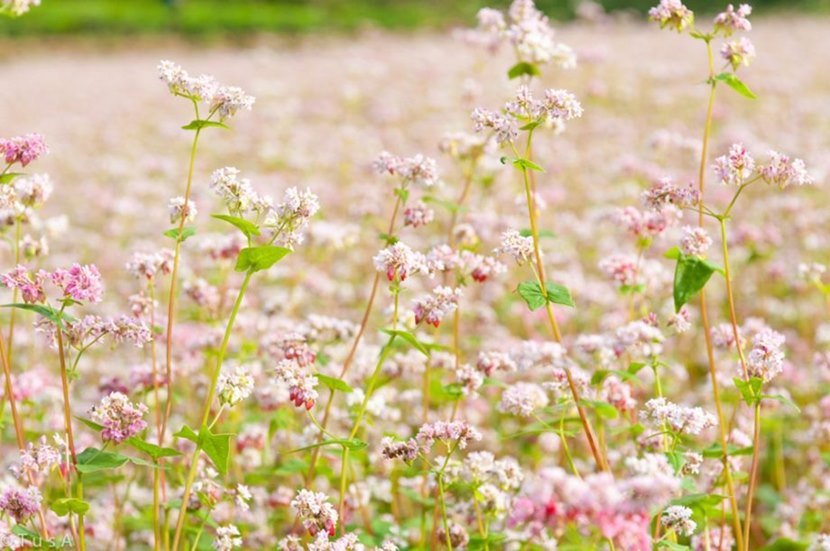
x=171 y=299
x=194 y=461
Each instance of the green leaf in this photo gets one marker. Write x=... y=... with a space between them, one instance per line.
x=9 y=176
x=535 y=299
x=198 y=124
x=93 y=460
x=673 y=253
x=152 y=450
x=23 y=532
x=63 y=507
x=216 y=446
x=260 y=258
x=91 y=424
x=409 y=338
x=604 y=409
x=187 y=231
x=542 y=233
x=666 y=544
x=334 y=383
x=559 y=294
x=523 y=68
x=44 y=310
x=527 y=164
x=782 y=400
x=245 y=226
x=750 y=390
x=531 y=292
x=715 y=451
x=353 y=444
x=732 y=80
x=785 y=544
x=690 y=276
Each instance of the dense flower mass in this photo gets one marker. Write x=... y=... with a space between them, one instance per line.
x=453 y=297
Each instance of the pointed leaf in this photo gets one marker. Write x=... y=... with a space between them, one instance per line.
x=732 y=80
x=260 y=258
x=334 y=383
x=245 y=226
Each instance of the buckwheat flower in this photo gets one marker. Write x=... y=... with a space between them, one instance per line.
x=491 y=361
x=481 y=268
x=459 y=538
x=406 y=451
x=679 y=519
x=80 y=283
x=33 y=247
x=227 y=100
x=298 y=204
x=695 y=241
x=148 y=265
x=735 y=167
x=532 y=37
x=234 y=387
x=688 y=420
x=783 y=171
x=418 y=215
x=448 y=432
x=505 y=128
x=33 y=191
x=766 y=359
x=561 y=105
x=723 y=336
x=121 y=418
x=237 y=193
x=177 y=209
x=666 y=193
x=398 y=261
x=672 y=14
x=432 y=308
x=36 y=461
x=738 y=52
x=620 y=268
x=733 y=20
x=227 y=538
x=19 y=503
x=23 y=149
x=516 y=245
x=29 y=285
x=301 y=385
x=126 y=329
x=470 y=378
x=315 y=512
x=691 y=463
x=523 y=399
x=680 y=321
x=618 y=394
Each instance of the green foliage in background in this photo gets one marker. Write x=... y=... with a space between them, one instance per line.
x=218 y=17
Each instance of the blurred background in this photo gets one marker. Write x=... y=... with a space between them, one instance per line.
x=237 y=17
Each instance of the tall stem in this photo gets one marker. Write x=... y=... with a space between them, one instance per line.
x=214 y=378
x=367 y=312
x=753 y=474
x=12 y=317
x=704 y=315
x=171 y=299
x=733 y=318
x=554 y=326
x=67 y=420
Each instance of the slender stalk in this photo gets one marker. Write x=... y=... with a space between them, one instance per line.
x=731 y=298
x=194 y=460
x=171 y=299
x=70 y=438
x=367 y=312
x=753 y=474
x=554 y=326
x=704 y=315
x=13 y=315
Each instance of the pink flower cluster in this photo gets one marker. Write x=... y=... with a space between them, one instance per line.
x=23 y=149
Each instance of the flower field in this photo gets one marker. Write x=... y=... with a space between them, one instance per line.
x=503 y=287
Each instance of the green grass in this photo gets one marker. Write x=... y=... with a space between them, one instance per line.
x=237 y=17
